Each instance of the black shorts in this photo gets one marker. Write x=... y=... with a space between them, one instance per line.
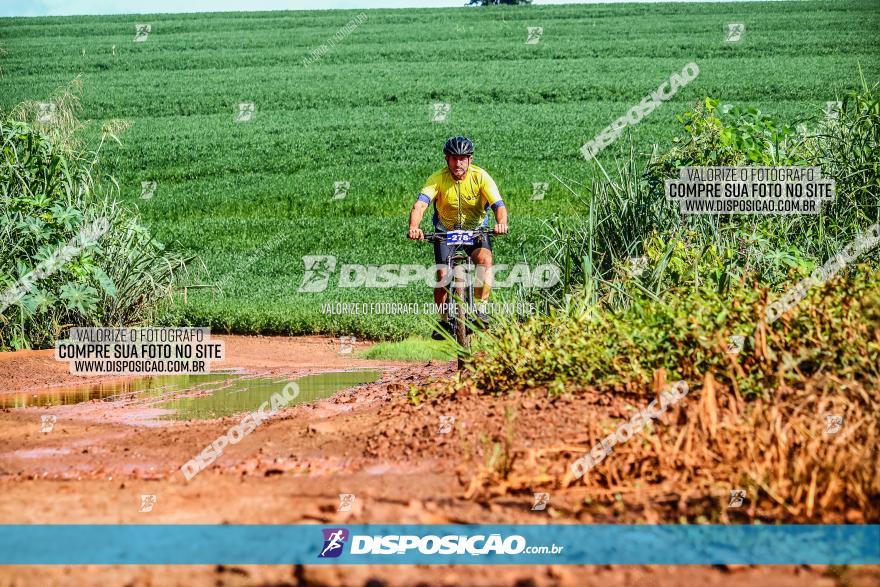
x=441 y=250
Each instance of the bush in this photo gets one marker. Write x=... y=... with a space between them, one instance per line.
x=836 y=328
x=848 y=149
x=729 y=136
x=70 y=254
x=631 y=223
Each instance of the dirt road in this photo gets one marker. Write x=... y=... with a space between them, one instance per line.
x=100 y=457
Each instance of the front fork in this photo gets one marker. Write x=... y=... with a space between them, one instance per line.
x=461 y=268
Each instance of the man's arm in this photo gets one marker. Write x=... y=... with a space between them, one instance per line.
x=426 y=196
x=493 y=197
x=415 y=219
x=500 y=220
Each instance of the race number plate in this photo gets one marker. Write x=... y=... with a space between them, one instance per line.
x=460 y=237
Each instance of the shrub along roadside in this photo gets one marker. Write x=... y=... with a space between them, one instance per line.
x=835 y=330
x=628 y=216
x=677 y=311
x=51 y=192
x=755 y=419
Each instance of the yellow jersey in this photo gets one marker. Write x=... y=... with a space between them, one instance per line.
x=462 y=202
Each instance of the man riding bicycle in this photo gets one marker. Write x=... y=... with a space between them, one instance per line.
x=461 y=193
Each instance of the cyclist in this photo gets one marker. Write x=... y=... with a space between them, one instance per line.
x=461 y=194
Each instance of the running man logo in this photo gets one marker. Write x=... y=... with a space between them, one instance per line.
x=340 y=189
x=737 y=497
x=245 y=111
x=833 y=424
x=534 y=35
x=318 y=271
x=541 y=501
x=735 y=344
x=539 y=188
x=346 y=500
x=441 y=111
x=832 y=109
x=147 y=503
x=637 y=266
x=735 y=31
x=346 y=344
x=46 y=113
x=148 y=188
x=334 y=541
x=141 y=32
x=47 y=423
x=446 y=424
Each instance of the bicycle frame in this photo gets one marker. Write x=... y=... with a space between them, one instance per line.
x=459 y=289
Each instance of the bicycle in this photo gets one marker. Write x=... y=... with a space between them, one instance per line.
x=460 y=289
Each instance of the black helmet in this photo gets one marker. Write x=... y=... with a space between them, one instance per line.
x=458 y=146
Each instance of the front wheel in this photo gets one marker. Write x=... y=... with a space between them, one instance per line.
x=462 y=302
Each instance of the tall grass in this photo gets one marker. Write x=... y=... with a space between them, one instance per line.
x=848 y=149
x=621 y=216
x=686 y=335
x=635 y=244
x=52 y=191
x=704 y=279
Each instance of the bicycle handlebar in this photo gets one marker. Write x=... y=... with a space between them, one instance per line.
x=481 y=231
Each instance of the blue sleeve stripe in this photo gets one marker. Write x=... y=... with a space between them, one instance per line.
x=498 y=204
x=424 y=198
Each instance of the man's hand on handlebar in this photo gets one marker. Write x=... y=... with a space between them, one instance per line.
x=499 y=229
x=416 y=234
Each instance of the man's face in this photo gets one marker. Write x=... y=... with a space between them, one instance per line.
x=458 y=164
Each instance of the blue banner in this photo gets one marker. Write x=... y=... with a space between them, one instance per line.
x=440 y=544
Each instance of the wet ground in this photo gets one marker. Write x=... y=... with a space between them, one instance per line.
x=193 y=397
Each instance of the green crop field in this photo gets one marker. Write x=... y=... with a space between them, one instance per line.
x=252 y=198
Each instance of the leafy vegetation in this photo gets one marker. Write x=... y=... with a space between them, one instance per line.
x=633 y=242
x=703 y=281
x=362 y=113
x=70 y=254
x=834 y=330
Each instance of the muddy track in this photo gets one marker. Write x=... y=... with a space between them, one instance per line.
x=369 y=440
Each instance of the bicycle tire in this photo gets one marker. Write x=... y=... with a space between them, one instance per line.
x=461 y=290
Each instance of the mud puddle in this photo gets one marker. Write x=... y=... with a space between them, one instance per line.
x=195 y=397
